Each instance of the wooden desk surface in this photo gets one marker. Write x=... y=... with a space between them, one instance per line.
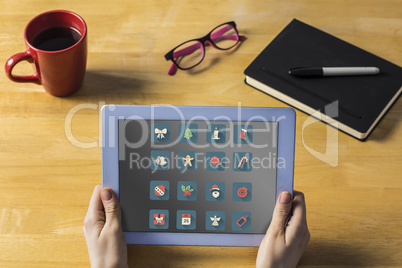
x=354 y=209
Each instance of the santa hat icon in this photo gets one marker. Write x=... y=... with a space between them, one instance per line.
x=214 y=188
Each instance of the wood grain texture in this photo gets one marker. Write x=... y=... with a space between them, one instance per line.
x=354 y=209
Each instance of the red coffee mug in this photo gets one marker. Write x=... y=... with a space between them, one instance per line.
x=61 y=72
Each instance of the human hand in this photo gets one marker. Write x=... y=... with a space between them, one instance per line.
x=283 y=246
x=102 y=229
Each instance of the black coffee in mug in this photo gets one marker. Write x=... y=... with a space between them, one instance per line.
x=56 y=38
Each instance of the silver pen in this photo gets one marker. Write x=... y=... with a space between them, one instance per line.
x=333 y=71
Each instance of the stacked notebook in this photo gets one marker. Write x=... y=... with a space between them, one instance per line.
x=355 y=103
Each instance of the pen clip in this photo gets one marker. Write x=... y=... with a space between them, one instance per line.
x=295 y=68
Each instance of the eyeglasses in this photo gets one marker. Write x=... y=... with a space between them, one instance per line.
x=191 y=53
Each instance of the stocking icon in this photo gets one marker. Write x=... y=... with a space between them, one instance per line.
x=243 y=134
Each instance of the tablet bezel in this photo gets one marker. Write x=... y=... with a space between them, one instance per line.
x=110 y=114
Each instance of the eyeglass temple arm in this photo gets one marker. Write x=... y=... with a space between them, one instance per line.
x=216 y=35
x=190 y=49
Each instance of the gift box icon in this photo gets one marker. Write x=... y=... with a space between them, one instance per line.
x=159 y=219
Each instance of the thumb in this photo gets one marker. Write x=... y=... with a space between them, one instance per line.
x=281 y=212
x=112 y=207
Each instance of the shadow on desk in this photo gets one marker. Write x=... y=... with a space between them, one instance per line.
x=339 y=254
x=190 y=256
x=389 y=123
x=104 y=83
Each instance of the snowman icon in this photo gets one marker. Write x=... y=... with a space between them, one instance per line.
x=215 y=191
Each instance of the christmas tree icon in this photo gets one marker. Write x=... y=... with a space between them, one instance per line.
x=188 y=134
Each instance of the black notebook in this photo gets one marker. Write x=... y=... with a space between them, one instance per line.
x=355 y=103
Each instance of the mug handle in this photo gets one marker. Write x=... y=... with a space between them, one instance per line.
x=10 y=64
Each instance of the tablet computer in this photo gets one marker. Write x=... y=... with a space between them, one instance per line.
x=190 y=175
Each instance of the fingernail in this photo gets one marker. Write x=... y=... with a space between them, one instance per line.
x=286 y=197
x=106 y=194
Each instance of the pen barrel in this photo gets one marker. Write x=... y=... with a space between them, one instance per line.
x=346 y=71
x=313 y=71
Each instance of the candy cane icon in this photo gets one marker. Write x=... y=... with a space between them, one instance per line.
x=243 y=159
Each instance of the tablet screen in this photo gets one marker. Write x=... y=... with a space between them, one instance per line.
x=197 y=176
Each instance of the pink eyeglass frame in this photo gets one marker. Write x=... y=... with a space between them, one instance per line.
x=201 y=43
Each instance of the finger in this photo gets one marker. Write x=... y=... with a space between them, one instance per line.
x=95 y=217
x=112 y=207
x=282 y=209
x=95 y=204
x=297 y=226
x=298 y=208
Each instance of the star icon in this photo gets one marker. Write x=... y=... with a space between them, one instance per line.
x=187 y=160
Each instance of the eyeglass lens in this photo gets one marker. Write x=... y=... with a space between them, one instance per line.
x=192 y=53
x=225 y=36
x=188 y=54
